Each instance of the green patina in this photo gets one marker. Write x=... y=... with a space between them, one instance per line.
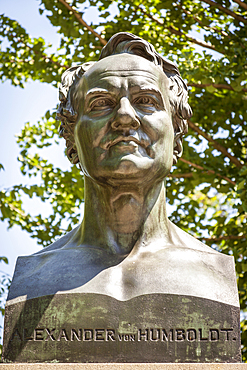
x=98 y=328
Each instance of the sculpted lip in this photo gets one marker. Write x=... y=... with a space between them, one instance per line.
x=126 y=139
x=144 y=144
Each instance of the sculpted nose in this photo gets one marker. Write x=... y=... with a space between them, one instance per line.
x=125 y=116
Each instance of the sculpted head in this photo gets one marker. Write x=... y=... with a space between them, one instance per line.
x=126 y=113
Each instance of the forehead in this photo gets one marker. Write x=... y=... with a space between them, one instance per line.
x=125 y=71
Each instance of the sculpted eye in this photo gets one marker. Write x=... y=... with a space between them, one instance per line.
x=146 y=103
x=101 y=104
x=145 y=100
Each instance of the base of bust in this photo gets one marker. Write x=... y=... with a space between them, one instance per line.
x=90 y=328
x=124 y=366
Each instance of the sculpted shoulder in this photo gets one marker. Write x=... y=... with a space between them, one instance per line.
x=183 y=239
x=187 y=267
x=60 y=243
x=59 y=267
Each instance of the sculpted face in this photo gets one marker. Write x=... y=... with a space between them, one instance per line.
x=124 y=131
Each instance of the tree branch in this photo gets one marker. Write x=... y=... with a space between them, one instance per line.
x=193 y=40
x=80 y=20
x=217 y=86
x=205 y=171
x=226 y=11
x=223 y=33
x=179 y=175
x=217 y=146
x=226 y=237
x=173 y=30
x=200 y=22
x=19 y=211
x=241 y=3
x=192 y=164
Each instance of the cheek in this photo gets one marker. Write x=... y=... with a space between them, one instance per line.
x=165 y=135
x=89 y=136
x=92 y=129
x=84 y=133
x=82 y=140
x=159 y=126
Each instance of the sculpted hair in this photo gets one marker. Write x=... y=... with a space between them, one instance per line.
x=66 y=112
x=124 y=42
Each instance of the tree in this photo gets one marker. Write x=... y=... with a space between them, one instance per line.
x=208 y=186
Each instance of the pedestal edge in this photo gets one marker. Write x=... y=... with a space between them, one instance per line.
x=123 y=366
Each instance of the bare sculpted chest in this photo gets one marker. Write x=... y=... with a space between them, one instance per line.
x=171 y=270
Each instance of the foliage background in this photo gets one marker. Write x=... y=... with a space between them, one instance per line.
x=207 y=189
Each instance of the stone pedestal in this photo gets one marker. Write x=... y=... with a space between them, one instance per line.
x=121 y=366
x=92 y=328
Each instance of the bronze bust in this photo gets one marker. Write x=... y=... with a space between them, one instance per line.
x=123 y=119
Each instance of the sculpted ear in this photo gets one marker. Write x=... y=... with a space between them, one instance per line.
x=178 y=146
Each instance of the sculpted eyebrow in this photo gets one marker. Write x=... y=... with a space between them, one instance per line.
x=95 y=91
x=152 y=90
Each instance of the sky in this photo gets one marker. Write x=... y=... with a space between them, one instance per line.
x=18 y=107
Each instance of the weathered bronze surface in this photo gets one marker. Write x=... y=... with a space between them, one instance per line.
x=152 y=327
x=126 y=270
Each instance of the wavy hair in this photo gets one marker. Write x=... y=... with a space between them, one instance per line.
x=124 y=42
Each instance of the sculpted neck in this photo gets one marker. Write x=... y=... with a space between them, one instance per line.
x=119 y=218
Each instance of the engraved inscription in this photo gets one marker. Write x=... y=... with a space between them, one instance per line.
x=76 y=334
x=38 y=334
x=112 y=335
x=191 y=335
x=167 y=336
x=62 y=335
x=179 y=335
x=126 y=337
x=49 y=334
x=227 y=335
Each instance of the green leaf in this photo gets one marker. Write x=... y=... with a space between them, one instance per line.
x=4 y=259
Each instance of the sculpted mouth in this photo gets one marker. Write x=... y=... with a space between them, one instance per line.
x=144 y=145
x=125 y=139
